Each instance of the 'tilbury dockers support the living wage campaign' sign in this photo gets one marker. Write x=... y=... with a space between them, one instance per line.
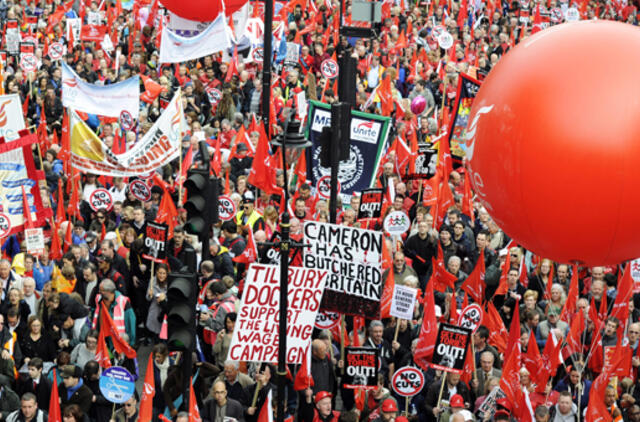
x=352 y=257
x=255 y=337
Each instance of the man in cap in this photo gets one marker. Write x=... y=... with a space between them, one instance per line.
x=388 y=411
x=322 y=412
x=457 y=407
x=248 y=215
x=73 y=390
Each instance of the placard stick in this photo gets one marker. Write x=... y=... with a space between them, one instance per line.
x=343 y=329
x=395 y=336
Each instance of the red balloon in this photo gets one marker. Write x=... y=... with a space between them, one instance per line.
x=201 y=10
x=554 y=143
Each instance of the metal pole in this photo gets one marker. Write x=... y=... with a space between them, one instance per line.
x=266 y=65
x=284 y=272
x=335 y=164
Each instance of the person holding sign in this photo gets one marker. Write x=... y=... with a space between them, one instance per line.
x=453 y=385
x=157 y=297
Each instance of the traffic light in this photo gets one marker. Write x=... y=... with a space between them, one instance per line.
x=182 y=295
x=202 y=202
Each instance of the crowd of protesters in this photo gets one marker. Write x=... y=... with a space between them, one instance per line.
x=50 y=304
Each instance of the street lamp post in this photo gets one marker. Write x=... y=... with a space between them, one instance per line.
x=291 y=138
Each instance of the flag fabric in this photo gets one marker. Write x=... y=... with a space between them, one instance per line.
x=574 y=337
x=428 y=331
x=551 y=354
x=152 y=89
x=386 y=96
x=498 y=332
x=102 y=352
x=194 y=412
x=503 y=287
x=250 y=253
x=620 y=308
x=55 y=250
x=266 y=413
x=533 y=362
x=260 y=171
x=148 y=392
x=26 y=210
x=510 y=385
x=54 y=404
x=304 y=378
x=441 y=278
x=570 y=305
x=513 y=341
x=106 y=322
x=387 y=295
x=175 y=48
x=474 y=284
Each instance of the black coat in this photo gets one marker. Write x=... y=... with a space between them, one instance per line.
x=234 y=410
x=24 y=384
x=82 y=397
x=431 y=397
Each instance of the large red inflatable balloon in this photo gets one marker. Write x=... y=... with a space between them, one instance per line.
x=554 y=143
x=202 y=10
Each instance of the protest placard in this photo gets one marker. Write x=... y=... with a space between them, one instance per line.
x=403 y=301
x=35 y=241
x=155 y=242
x=361 y=368
x=352 y=258
x=255 y=337
x=370 y=203
x=451 y=348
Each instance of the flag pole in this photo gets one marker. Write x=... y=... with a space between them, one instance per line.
x=180 y=177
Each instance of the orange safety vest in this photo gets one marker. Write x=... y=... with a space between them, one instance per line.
x=118 y=313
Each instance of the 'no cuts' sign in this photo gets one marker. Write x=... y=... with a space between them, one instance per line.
x=407 y=381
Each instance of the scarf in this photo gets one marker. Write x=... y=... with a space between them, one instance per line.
x=164 y=369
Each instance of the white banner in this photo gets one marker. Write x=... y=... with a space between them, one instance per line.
x=255 y=338
x=109 y=100
x=403 y=301
x=175 y=48
x=158 y=146
x=11 y=118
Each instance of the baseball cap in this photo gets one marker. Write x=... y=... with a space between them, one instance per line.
x=241 y=147
x=501 y=415
x=322 y=395
x=389 y=405
x=456 y=401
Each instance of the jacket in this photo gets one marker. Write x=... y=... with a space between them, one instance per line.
x=41 y=416
x=81 y=396
x=122 y=313
x=9 y=401
x=557 y=417
x=42 y=390
x=234 y=410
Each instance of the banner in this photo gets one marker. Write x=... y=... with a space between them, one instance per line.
x=361 y=368
x=107 y=100
x=255 y=337
x=155 y=242
x=353 y=259
x=11 y=118
x=157 y=147
x=369 y=134
x=371 y=203
x=175 y=48
x=17 y=170
x=467 y=90
x=425 y=162
x=451 y=349
x=403 y=301
x=93 y=33
x=12 y=36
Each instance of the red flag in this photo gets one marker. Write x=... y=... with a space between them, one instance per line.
x=597 y=411
x=26 y=210
x=54 y=404
x=60 y=215
x=503 y=286
x=194 y=412
x=266 y=413
x=534 y=363
x=428 y=331
x=498 y=332
x=55 y=252
x=167 y=212
x=216 y=163
x=259 y=175
x=72 y=207
x=301 y=170
x=186 y=165
x=102 y=352
x=551 y=354
x=233 y=66
x=467 y=197
x=513 y=341
x=303 y=378
x=574 y=337
x=152 y=89
x=151 y=19
x=510 y=384
x=250 y=253
x=570 y=305
x=386 y=96
x=68 y=237
x=537 y=21
x=148 y=391
x=445 y=199
x=119 y=344
x=441 y=277
x=387 y=295
x=620 y=308
x=474 y=284
x=604 y=308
